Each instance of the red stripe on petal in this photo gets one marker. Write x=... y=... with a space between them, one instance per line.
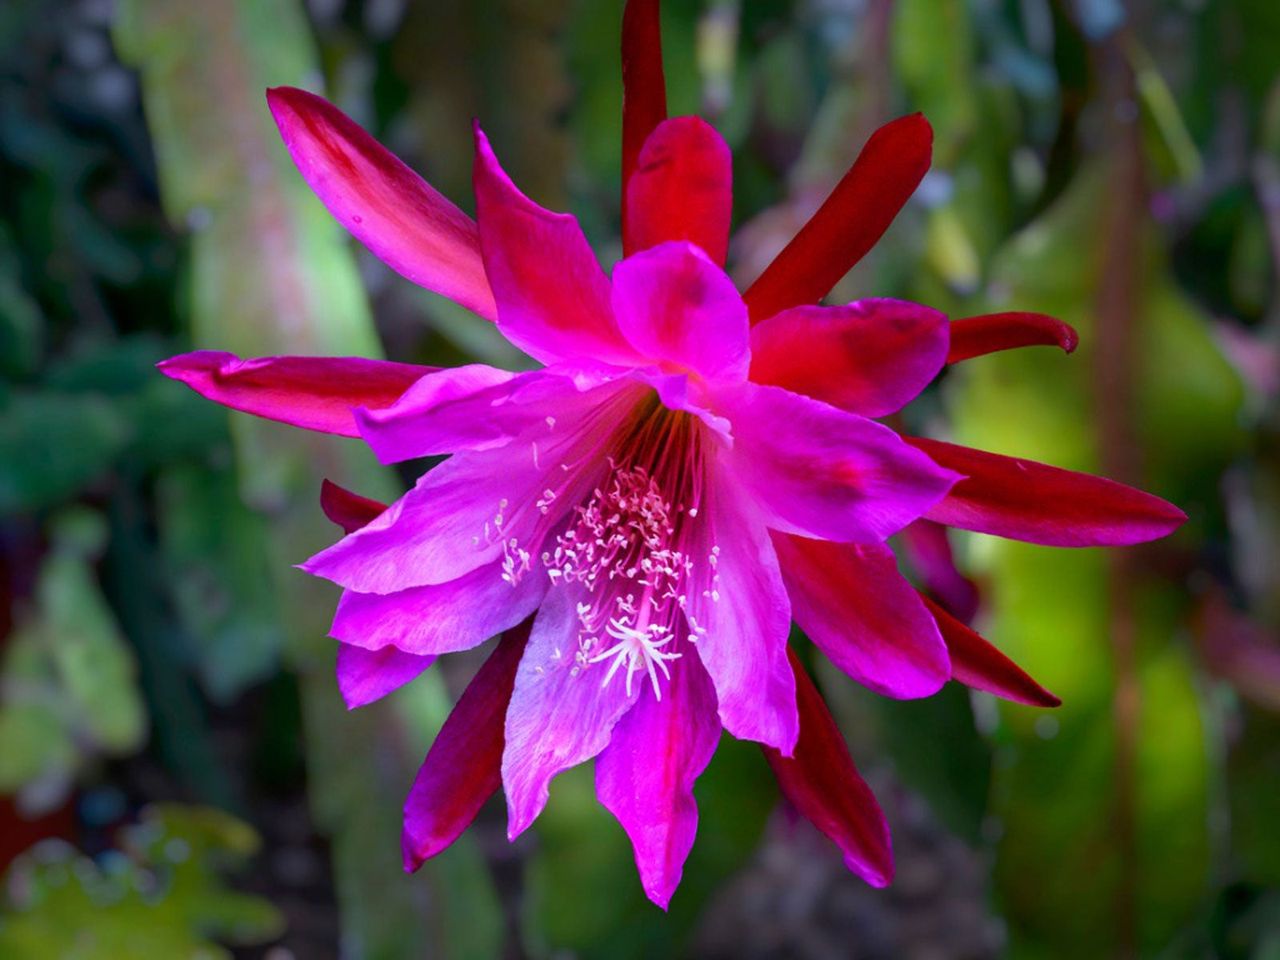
x=681 y=189
x=976 y=663
x=462 y=768
x=822 y=783
x=348 y=510
x=1026 y=500
x=850 y=220
x=644 y=87
x=315 y=393
x=407 y=223
x=977 y=336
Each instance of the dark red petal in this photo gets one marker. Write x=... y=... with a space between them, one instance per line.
x=407 y=223
x=644 y=88
x=1025 y=500
x=463 y=767
x=929 y=550
x=976 y=336
x=348 y=510
x=850 y=220
x=315 y=393
x=681 y=189
x=822 y=783
x=976 y=663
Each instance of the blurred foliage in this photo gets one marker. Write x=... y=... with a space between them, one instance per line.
x=1116 y=164
x=159 y=895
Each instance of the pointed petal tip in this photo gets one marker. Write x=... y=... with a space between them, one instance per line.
x=877 y=875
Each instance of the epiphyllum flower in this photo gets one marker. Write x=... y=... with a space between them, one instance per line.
x=689 y=470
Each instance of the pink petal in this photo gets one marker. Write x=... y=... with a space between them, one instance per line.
x=552 y=296
x=850 y=600
x=822 y=783
x=976 y=663
x=645 y=776
x=820 y=472
x=348 y=510
x=368 y=675
x=462 y=768
x=315 y=393
x=928 y=549
x=561 y=712
x=871 y=357
x=681 y=189
x=644 y=88
x=739 y=613
x=850 y=220
x=473 y=408
x=439 y=618
x=442 y=529
x=683 y=312
x=976 y=336
x=407 y=224
x=1025 y=500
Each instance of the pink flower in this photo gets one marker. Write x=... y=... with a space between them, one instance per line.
x=690 y=469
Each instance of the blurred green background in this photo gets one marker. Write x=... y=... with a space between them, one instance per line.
x=178 y=777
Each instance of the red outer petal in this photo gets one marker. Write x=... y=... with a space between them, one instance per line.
x=463 y=767
x=822 y=783
x=1025 y=500
x=644 y=87
x=870 y=357
x=929 y=550
x=681 y=189
x=315 y=393
x=348 y=510
x=976 y=336
x=850 y=220
x=976 y=663
x=405 y=221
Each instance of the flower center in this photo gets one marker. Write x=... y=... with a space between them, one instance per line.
x=623 y=549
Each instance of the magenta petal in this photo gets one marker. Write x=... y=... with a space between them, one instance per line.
x=823 y=784
x=820 y=472
x=471 y=408
x=460 y=516
x=407 y=224
x=348 y=510
x=871 y=357
x=679 y=309
x=1025 y=500
x=315 y=393
x=976 y=663
x=645 y=776
x=977 y=336
x=439 y=618
x=462 y=769
x=561 y=711
x=738 y=612
x=682 y=189
x=368 y=675
x=850 y=600
x=552 y=296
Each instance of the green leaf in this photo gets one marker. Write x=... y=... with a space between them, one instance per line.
x=160 y=897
